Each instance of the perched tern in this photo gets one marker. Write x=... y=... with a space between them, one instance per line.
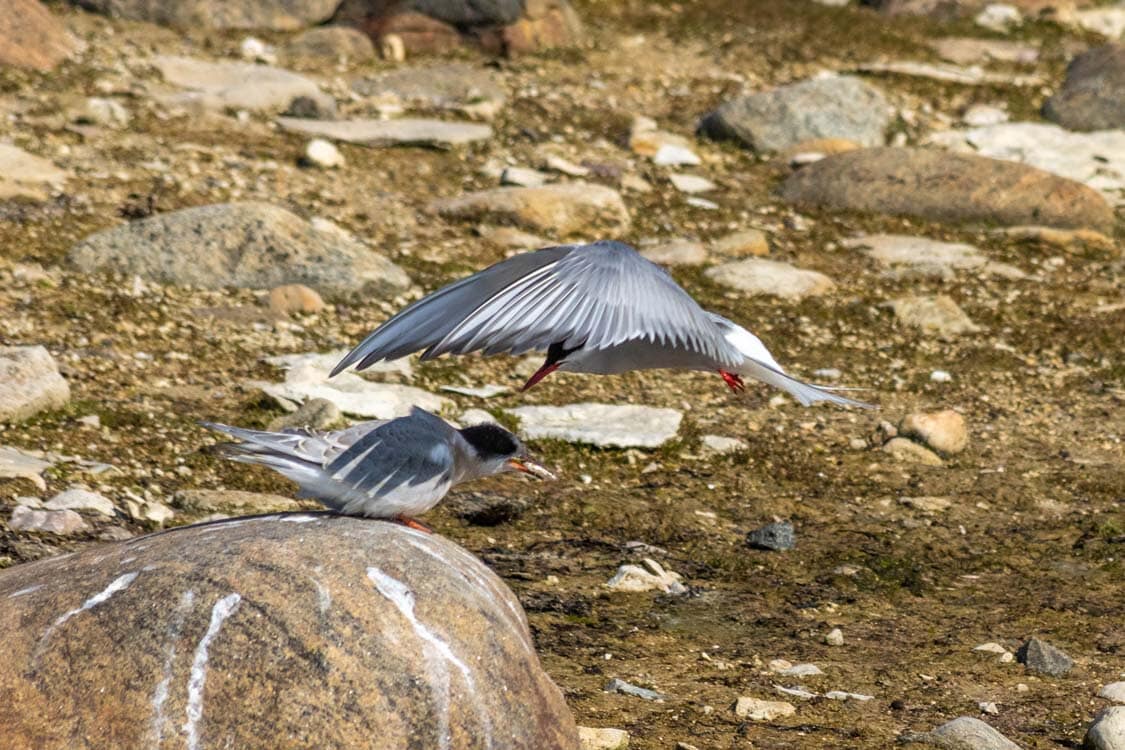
x=383 y=469
x=597 y=308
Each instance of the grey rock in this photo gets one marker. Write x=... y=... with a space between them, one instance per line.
x=564 y=209
x=460 y=13
x=236 y=85
x=617 y=685
x=401 y=132
x=972 y=75
x=1107 y=732
x=278 y=15
x=24 y=175
x=17 y=464
x=109 y=113
x=775 y=536
x=523 y=177
x=244 y=631
x=943 y=186
x=1114 y=691
x=315 y=414
x=78 y=498
x=253 y=245
x=1039 y=656
x=967 y=733
x=330 y=43
x=970 y=51
x=61 y=522
x=834 y=637
x=1093 y=95
x=939 y=316
x=604 y=425
x=928 y=257
x=830 y=107
x=352 y=394
x=721 y=444
x=690 y=183
x=311 y=108
x=29 y=383
x=771 y=277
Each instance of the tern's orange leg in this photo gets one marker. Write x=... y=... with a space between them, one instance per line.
x=733 y=380
x=410 y=523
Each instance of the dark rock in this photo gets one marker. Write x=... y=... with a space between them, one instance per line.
x=278 y=15
x=310 y=108
x=833 y=107
x=253 y=245
x=457 y=13
x=481 y=509
x=775 y=536
x=948 y=187
x=1040 y=656
x=1093 y=95
x=297 y=630
x=30 y=37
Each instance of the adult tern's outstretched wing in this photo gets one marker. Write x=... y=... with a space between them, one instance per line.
x=590 y=296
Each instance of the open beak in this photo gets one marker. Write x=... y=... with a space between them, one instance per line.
x=527 y=466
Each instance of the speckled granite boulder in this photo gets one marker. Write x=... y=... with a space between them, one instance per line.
x=291 y=631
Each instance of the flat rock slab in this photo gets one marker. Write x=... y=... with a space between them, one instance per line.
x=949 y=187
x=1095 y=159
x=771 y=277
x=565 y=209
x=24 y=175
x=456 y=86
x=927 y=256
x=254 y=245
x=407 y=131
x=29 y=383
x=302 y=630
x=966 y=731
x=237 y=85
x=277 y=15
x=829 y=107
x=604 y=425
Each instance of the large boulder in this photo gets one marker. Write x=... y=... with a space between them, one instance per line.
x=292 y=631
x=254 y=245
x=830 y=107
x=941 y=186
x=1093 y=95
x=29 y=382
x=279 y=15
x=30 y=37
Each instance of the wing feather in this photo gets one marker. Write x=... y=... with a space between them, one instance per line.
x=593 y=296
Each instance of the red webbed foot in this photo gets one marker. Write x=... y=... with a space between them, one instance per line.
x=733 y=381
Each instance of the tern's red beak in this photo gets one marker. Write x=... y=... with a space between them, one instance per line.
x=527 y=466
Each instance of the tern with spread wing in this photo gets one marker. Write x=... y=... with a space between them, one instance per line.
x=394 y=469
x=598 y=308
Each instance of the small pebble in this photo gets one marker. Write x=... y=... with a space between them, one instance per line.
x=777 y=537
x=322 y=153
x=625 y=688
x=835 y=637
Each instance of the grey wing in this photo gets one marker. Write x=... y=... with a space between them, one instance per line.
x=593 y=296
x=409 y=459
x=312 y=446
